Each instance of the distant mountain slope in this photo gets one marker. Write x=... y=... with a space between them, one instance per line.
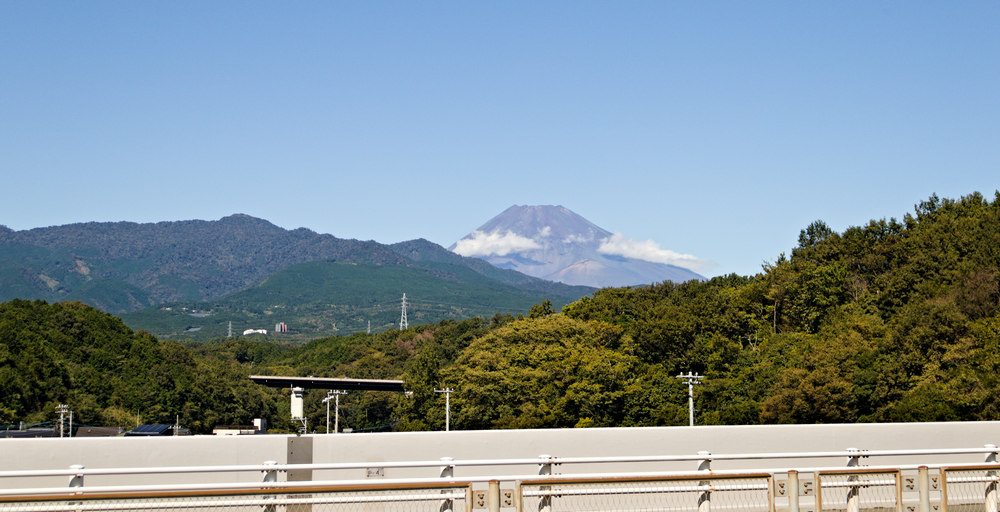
x=553 y=243
x=423 y=252
x=125 y=266
x=326 y=297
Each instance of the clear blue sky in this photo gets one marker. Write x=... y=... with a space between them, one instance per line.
x=717 y=129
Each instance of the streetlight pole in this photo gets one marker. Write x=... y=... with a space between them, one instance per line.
x=447 y=406
x=693 y=379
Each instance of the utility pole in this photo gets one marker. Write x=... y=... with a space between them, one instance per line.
x=403 y=324
x=693 y=379
x=447 y=406
x=336 y=411
x=62 y=409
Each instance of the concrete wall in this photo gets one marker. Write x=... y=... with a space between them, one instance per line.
x=137 y=452
x=655 y=441
x=384 y=447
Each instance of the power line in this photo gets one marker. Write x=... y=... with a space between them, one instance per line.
x=381 y=307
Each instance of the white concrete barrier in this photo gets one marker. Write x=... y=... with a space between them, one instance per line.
x=377 y=450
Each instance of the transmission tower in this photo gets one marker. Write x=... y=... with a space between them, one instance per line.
x=230 y=335
x=402 y=318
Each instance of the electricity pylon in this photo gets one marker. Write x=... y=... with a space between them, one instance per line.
x=402 y=318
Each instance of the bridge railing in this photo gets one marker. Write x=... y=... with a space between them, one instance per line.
x=306 y=496
x=963 y=487
x=747 y=492
x=859 y=489
x=851 y=486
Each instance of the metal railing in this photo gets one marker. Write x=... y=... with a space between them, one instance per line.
x=849 y=486
x=749 y=491
x=859 y=489
x=389 y=497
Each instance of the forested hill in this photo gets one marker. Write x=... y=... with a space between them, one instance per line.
x=326 y=298
x=110 y=375
x=431 y=255
x=891 y=321
x=896 y=320
x=124 y=266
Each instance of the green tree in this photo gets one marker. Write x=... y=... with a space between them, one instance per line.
x=551 y=371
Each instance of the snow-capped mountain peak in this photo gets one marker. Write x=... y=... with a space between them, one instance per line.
x=554 y=243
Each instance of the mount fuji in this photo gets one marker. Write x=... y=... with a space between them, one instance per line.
x=553 y=243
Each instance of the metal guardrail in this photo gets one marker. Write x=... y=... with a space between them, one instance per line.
x=849 y=487
x=541 y=459
x=388 y=497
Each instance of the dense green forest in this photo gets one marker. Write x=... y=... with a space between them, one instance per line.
x=324 y=298
x=896 y=320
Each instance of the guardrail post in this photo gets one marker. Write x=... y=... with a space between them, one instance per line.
x=545 y=469
x=853 y=492
x=447 y=471
x=924 y=483
x=705 y=498
x=943 y=476
x=793 y=490
x=493 y=497
x=77 y=479
x=270 y=476
x=991 y=487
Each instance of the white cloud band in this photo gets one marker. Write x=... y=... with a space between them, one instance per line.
x=494 y=244
x=618 y=245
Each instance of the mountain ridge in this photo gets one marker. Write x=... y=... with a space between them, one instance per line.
x=123 y=266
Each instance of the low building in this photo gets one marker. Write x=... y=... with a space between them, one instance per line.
x=28 y=433
x=160 y=429
x=259 y=427
x=99 y=431
x=234 y=430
